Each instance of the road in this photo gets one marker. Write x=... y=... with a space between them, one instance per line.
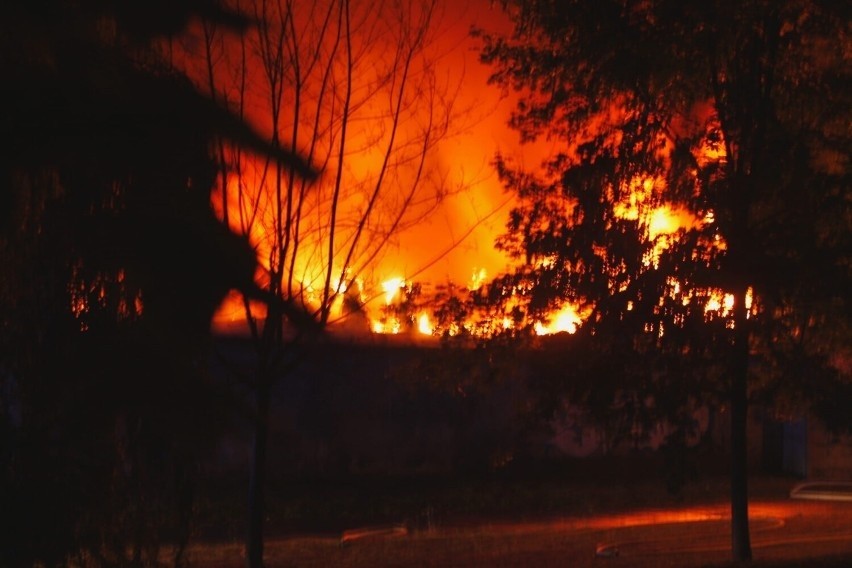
x=694 y=536
x=683 y=537
x=786 y=527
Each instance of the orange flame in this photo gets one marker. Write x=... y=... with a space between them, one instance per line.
x=565 y=320
x=474 y=256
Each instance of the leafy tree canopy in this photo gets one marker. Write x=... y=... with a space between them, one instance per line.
x=731 y=118
x=704 y=161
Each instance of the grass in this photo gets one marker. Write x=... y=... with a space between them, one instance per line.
x=489 y=546
x=572 y=487
x=335 y=504
x=507 y=518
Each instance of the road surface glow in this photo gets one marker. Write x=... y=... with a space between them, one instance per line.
x=686 y=537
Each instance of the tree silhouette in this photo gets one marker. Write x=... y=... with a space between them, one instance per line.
x=728 y=117
x=355 y=87
x=113 y=265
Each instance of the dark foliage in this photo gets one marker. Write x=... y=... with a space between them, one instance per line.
x=733 y=112
x=113 y=263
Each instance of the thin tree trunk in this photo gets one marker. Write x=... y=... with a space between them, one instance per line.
x=257 y=480
x=740 y=537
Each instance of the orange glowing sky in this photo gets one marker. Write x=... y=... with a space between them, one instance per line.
x=455 y=243
x=458 y=239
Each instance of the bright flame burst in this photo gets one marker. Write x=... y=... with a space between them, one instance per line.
x=660 y=221
x=661 y=224
x=391 y=288
x=565 y=320
x=424 y=324
x=477 y=279
x=723 y=303
x=391 y=324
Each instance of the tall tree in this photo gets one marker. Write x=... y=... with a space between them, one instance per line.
x=356 y=87
x=728 y=121
x=113 y=263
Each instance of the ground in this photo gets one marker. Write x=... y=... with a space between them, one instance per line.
x=688 y=530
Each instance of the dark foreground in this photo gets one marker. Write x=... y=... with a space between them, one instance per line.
x=618 y=525
x=784 y=533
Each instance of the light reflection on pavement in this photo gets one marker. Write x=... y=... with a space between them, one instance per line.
x=693 y=530
x=677 y=537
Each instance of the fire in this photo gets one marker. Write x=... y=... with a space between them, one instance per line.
x=398 y=291
x=723 y=303
x=661 y=224
x=664 y=220
x=470 y=258
x=232 y=311
x=565 y=320
x=719 y=302
x=477 y=279
x=391 y=288
x=424 y=324
x=392 y=327
x=472 y=191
